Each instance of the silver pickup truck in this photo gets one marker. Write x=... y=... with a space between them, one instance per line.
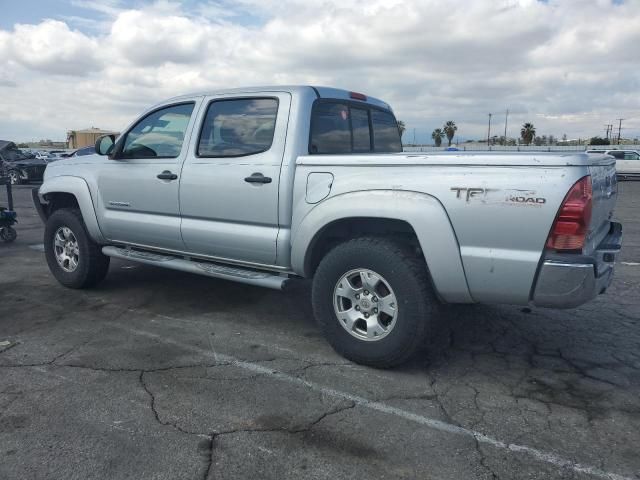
x=265 y=185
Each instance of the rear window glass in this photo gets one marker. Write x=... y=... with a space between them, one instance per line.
x=238 y=127
x=360 y=127
x=341 y=127
x=330 y=129
x=619 y=155
x=386 y=136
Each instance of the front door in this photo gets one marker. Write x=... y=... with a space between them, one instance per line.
x=230 y=178
x=138 y=188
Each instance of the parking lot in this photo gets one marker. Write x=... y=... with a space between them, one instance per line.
x=157 y=374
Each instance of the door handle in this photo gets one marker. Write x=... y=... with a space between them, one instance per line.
x=167 y=175
x=257 y=178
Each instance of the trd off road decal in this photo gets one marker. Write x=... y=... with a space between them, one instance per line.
x=525 y=198
x=512 y=197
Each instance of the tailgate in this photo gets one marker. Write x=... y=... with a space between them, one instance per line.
x=605 y=194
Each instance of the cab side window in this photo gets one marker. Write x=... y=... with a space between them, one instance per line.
x=160 y=134
x=631 y=156
x=238 y=127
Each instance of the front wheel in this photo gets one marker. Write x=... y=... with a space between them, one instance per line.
x=8 y=234
x=73 y=257
x=14 y=177
x=373 y=301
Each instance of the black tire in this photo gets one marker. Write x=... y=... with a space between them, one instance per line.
x=8 y=234
x=406 y=274
x=92 y=264
x=14 y=176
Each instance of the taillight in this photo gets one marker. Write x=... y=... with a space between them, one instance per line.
x=572 y=223
x=358 y=96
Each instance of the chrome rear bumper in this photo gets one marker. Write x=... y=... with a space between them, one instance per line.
x=569 y=280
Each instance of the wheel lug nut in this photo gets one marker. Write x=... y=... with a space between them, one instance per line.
x=375 y=310
x=357 y=296
x=375 y=299
x=358 y=307
x=366 y=315
x=366 y=292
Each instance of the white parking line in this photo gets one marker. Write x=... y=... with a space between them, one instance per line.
x=633 y=264
x=38 y=246
x=431 y=423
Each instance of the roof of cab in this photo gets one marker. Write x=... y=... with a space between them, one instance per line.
x=320 y=92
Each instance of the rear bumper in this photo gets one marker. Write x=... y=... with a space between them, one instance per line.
x=569 y=280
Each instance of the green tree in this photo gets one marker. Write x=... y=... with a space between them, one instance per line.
x=450 y=129
x=437 y=136
x=598 y=141
x=527 y=132
x=401 y=127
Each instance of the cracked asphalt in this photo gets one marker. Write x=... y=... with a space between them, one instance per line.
x=162 y=375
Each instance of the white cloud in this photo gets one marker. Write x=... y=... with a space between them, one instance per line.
x=49 y=47
x=569 y=66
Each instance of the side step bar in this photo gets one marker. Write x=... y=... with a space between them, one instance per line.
x=216 y=270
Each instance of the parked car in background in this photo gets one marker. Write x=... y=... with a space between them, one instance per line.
x=627 y=162
x=20 y=167
x=90 y=150
x=50 y=157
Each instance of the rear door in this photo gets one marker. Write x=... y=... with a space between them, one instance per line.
x=229 y=183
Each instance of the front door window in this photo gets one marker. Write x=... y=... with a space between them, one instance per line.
x=160 y=134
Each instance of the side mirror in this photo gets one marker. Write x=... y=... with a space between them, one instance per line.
x=105 y=144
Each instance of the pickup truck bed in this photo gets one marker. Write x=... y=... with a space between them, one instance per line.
x=496 y=210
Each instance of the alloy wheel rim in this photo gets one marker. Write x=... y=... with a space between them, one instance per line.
x=365 y=304
x=66 y=249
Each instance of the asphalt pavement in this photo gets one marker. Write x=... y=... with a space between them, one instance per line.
x=157 y=374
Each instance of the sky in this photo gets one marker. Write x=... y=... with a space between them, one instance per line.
x=567 y=66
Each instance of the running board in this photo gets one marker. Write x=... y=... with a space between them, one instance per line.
x=216 y=270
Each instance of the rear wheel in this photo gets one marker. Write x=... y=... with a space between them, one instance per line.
x=73 y=258
x=373 y=301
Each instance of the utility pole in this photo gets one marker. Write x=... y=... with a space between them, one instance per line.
x=506 y=117
x=489 y=131
x=619 y=129
x=414 y=136
x=607 y=133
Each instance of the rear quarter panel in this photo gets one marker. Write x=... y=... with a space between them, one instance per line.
x=500 y=227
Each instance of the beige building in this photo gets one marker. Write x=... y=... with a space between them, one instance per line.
x=86 y=137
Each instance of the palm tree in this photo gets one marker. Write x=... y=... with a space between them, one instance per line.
x=527 y=133
x=401 y=127
x=450 y=130
x=437 y=136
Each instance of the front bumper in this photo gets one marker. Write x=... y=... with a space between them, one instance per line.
x=569 y=280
